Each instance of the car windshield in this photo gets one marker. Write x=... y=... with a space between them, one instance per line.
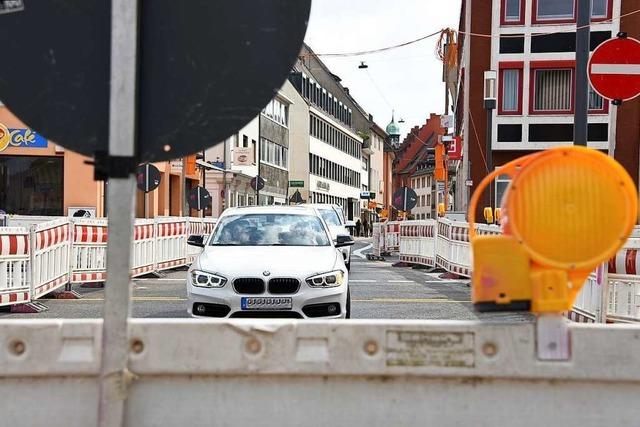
x=270 y=230
x=330 y=216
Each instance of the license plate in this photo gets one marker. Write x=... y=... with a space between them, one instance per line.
x=248 y=303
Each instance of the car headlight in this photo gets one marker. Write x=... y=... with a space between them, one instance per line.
x=203 y=279
x=327 y=280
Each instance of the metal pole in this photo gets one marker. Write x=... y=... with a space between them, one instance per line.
x=204 y=153
x=467 y=134
x=582 y=78
x=114 y=375
x=489 y=153
x=146 y=192
x=184 y=208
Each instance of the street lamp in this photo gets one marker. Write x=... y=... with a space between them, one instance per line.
x=490 y=101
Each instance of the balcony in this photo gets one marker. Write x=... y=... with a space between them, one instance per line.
x=366 y=147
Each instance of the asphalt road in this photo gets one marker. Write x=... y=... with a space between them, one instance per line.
x=378 y=291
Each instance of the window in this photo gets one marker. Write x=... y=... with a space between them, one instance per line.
x=596 y=102
x=512 y=12
x=510 y=88
x=552 y=90
x=502 y=182
x=253 y=145
x=600 y=9
x=245 y=141
x=423 y=200
x=39 y=181
x=423 y=181
x=273 y=154
x=277 y=111
x=554 y=10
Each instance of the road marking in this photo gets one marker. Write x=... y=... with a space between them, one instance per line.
x=150 y=298
x=361 y=281
x=615 y=69
x=401 y=281
x=162 y=279
x=358 y=253
x=410 y=300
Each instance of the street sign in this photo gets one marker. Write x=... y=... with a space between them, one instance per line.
x=296 y=197
x=367 y=195
x=199 y=198
x=147 y=177
x=404 y=199
x=257 y=183
x=614 y=69
x=446 y=121
x=196 y=69
x=469 y=183
x=454 y=149
x=296 y=183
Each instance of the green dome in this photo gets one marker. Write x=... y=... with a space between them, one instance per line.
x=392 y=128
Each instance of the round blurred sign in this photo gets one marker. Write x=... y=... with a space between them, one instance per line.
x=257 y=183
x=199 y=198
x=197 y=69
x=405 y=199
x=147 y=177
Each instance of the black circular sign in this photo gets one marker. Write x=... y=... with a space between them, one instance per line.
x=257 y=183
x=404 y=199
x=206 y=68
x=199 y=198
x=147 y=177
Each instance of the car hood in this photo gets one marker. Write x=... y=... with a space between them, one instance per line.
x=297 y=261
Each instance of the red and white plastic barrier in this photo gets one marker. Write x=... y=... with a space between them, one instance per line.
x=50 y=249
x=417 y=242
x=200 y=226
x=89 y=251
x=392 y=236
x=171 y=242
x=14 y=266
x=143 y=253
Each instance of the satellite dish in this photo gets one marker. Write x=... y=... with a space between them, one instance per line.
x=206 y=68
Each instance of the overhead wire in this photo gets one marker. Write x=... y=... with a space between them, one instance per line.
x=473 y=34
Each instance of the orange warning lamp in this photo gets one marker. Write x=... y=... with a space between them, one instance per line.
x=566 y=211
x=488 y=215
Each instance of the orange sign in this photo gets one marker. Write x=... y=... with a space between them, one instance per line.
x=439 y=172
x=372 y=205
x=384 y=213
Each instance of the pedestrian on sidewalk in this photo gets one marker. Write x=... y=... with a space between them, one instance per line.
x=365 y=228
x=358 y=227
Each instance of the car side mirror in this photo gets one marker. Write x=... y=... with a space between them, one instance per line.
x=343 y=240
x=196 y=240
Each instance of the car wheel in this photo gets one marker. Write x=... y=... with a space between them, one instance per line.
x=348 y=310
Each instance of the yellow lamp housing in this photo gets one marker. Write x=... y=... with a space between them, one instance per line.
x=498 y=215
x=567 y=210
x=441 y=210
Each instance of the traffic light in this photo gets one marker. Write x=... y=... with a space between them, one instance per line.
x=566 y=211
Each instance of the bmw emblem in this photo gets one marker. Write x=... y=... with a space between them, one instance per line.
x=266 y=273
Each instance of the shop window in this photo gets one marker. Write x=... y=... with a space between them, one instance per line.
x=597 y=104
x=31 y=185
x=564 y=11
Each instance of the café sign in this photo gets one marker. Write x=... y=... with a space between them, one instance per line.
x=25 y=138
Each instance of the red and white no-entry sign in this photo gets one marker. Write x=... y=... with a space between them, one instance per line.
x=614 y=69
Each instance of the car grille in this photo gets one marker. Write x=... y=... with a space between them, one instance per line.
x=266 y=315
x=249 y=285
x=283 y=285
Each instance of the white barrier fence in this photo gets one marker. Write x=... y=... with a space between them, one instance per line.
x=39 y=255
x=445 y=244
x=363 y=373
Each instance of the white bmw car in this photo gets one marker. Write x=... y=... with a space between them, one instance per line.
x=270 y=261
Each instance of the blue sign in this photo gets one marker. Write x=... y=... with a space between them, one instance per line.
x=26 y=138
